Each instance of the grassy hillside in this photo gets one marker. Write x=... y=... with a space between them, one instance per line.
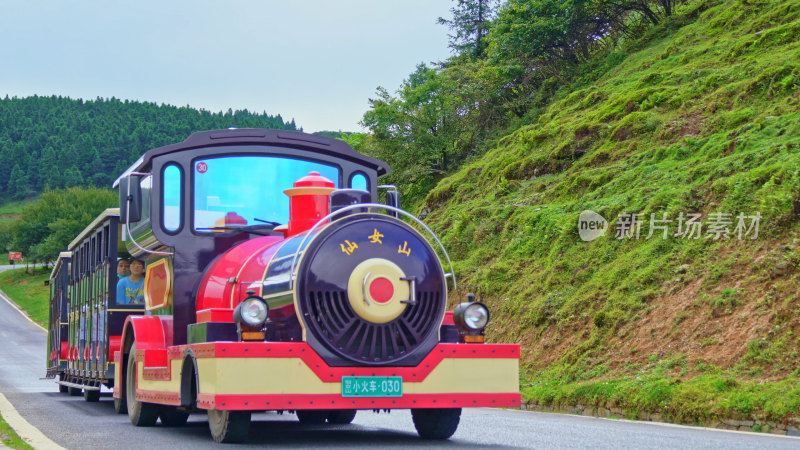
x=11 y=210
x=28 y=291
x=699 y=116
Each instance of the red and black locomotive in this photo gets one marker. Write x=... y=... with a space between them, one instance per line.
x=274 y=280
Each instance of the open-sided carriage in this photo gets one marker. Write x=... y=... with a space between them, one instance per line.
x=85 y=318
x=274 y=281
x=58 y=329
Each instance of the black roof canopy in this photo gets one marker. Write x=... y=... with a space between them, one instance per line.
x=259 y=136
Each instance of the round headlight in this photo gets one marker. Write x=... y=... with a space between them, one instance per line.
x=471 y=316
x=476 y=316
x=253 y=311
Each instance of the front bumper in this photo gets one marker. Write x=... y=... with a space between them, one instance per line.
x=290 y=376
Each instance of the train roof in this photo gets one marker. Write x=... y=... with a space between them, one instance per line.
x=61 y=257
x=259 y=136
x=96 y=223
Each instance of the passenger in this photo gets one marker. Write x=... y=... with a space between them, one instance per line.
x=123 y=268
x=130 y=290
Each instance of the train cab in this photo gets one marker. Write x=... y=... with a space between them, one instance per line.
x=189 y=202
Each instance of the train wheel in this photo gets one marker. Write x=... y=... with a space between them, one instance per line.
x=229 y=426
x=312 y=417
x=171 y=416
x=120 y=405
x=74 y=392
x=91 y=395
x=61 y=388
x=436 y=423
x=141 y=414
x=342 y=416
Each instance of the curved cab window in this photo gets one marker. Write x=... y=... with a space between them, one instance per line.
x=248 y=190
x=172 y=197
x=147 y=188
x=359 y=181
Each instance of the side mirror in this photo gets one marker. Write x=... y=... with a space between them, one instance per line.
x=130 y=199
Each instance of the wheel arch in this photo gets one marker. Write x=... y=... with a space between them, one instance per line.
x=149 y=332
x=190 y=384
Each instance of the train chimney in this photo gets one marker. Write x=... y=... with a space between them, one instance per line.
x=308 y=202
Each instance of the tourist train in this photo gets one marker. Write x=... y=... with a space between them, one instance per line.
x=272 y=279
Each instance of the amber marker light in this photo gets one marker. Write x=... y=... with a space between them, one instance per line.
x=479 y=339
x=253 y=335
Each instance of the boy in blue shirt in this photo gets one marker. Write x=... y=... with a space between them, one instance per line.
x=130 y=290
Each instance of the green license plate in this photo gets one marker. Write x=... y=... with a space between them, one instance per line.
x=372 y=386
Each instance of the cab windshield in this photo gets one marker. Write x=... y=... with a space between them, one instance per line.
x=235 y=191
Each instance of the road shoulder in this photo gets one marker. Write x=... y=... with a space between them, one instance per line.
x=25 y=430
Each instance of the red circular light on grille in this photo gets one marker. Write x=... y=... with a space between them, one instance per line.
x=381 y=290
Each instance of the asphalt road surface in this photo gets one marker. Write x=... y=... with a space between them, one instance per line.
x=75 y=424
x=19 y=266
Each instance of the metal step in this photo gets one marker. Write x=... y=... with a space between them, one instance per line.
x=78 y=386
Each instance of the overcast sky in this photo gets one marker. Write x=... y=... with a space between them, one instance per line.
x=317 y=61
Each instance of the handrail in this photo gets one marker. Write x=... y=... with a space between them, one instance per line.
x=128 y=201
x=292 y=274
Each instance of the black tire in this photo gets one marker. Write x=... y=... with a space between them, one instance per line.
x=142 y=414
x=342 y=416
x=74 y=392
x=120 y=405
x=171 y=416
x=436 y=423
x=228 y=426
x=313 y=417
x=61 y=388
x=91 y=395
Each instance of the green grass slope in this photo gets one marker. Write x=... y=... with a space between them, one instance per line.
x=27 y=289
x=699 y=116
x=10 y=211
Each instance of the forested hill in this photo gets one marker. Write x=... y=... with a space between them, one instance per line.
x=57 y=142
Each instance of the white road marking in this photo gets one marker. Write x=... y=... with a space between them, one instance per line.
x=661 y=424
x=25 y=430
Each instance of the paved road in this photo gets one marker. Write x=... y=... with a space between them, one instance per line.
x=75 y=424
x=3 y=268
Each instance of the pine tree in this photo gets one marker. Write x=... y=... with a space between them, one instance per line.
x=18 y=185
x=470 y=24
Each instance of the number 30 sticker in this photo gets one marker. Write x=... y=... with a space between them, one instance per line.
x=202 y=167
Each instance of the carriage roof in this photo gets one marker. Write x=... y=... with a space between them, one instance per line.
x=61 y=257
x=96 y=223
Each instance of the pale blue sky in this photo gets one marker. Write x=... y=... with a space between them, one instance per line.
x=316 y=61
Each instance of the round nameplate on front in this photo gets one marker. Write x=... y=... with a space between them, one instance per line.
x=376 y=290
